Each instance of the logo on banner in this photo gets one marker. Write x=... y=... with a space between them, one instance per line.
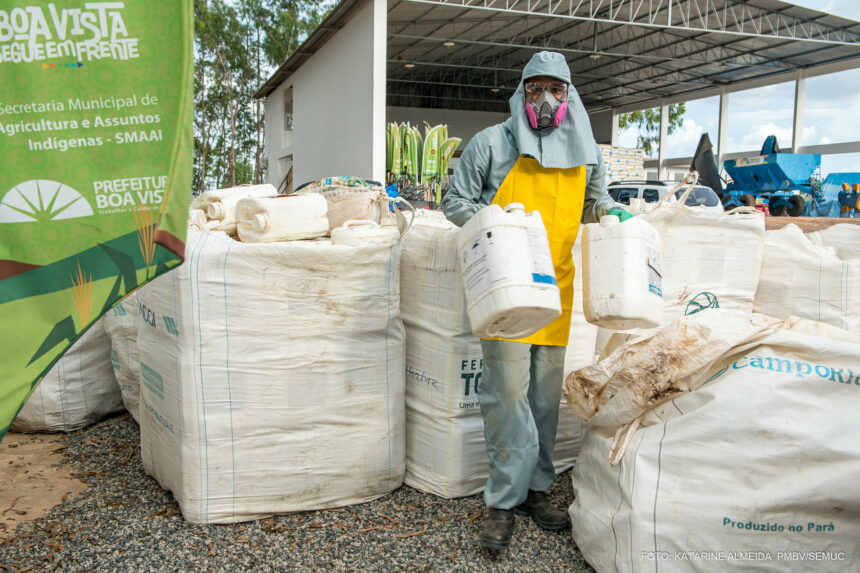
x=35 y=33
x=42 y=200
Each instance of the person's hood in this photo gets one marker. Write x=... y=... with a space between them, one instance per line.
x=571 y=144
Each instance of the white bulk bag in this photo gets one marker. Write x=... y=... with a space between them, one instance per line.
x=350 y=198
x=710 y=258
x=79 y=390
x=445 y=447
x=803 y=279
x=582 y=343
x=121 y=326
x=844 y=237
x=273 y=377
x=749 y=460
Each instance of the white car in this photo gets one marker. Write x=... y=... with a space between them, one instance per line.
x=654 y=191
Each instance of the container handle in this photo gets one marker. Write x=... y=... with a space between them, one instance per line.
x=692 y=177
x=360 y=223
x=742 y=210
x=402 y=225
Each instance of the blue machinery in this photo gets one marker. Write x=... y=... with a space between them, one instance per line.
x=783 y=181
x=849 y=198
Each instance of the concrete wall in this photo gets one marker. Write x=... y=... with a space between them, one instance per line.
x=601 y=126
x=338 y=98
x=462 y=124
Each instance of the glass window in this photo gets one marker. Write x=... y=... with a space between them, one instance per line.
x=623 y=194
x=699 y=196
x=840 y=163
x=651 y=195
x=832 y=108
x=640 y=129
x=754 y=114
x=288 y=110
x=700 y=116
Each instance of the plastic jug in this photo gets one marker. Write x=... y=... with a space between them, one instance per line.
x=220 y=204
x=357 y=232
x=622 y=274
x=281 y=218
x=507 y=273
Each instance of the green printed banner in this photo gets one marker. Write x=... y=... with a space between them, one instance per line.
x=96 y=140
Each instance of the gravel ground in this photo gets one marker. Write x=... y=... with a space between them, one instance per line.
x=126 y=522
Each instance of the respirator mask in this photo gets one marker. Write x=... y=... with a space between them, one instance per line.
x=546 y=110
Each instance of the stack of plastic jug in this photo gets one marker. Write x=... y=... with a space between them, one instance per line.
x=622 y=274
x=282 y=218
x=507 y=272
x=220 y=204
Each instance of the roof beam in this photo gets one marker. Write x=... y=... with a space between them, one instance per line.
x=717 y=16
x=757 y=82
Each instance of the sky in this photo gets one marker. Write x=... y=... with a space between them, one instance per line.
x=831 y=112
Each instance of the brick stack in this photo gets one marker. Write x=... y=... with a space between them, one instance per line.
x=623 y=163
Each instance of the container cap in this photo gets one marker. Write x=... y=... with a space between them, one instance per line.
x=215 y=210
x=512 y=207
x=261 y=222
x=607 y=220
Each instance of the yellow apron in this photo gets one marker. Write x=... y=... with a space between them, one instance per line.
x=559 y=195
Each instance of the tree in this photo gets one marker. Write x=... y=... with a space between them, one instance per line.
x=237 y=45
x=287 y=23
x=648 y=122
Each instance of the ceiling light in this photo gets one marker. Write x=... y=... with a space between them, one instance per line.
x=448 y=44
x=594 y=56
x=408 y=65
x=494 y=90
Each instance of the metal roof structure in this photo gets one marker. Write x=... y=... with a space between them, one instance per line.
x=469 y=54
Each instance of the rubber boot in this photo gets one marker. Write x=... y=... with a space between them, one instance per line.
x=498 y=529
x=543 y=512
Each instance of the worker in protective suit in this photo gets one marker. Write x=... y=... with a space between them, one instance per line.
x=545 y=157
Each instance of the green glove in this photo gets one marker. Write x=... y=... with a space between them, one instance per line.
x=621 y=214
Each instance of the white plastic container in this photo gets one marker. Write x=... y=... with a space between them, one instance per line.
x=622 y=275
x=360 y=232
x=507 y=273
x=281 y=218
x=220 y=204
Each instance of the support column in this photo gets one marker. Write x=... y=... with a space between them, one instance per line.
x=723 y=128
x=664 y=136
x=614 y=140
x=379 y=50
x=799 y=104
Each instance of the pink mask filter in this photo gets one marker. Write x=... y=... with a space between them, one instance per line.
x=559 y=115
x=551 y=111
